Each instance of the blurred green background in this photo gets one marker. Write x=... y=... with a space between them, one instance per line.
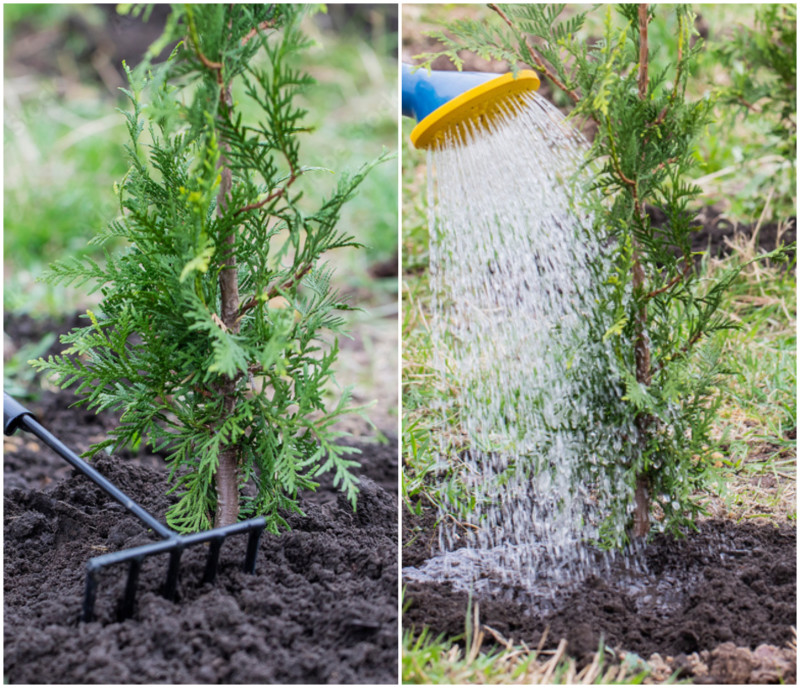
x=63 y=136
x=64 y=151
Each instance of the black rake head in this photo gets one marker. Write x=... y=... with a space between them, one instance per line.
x=174 y=546
x=16 y=416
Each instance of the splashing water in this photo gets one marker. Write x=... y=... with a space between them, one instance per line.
x=516 y=271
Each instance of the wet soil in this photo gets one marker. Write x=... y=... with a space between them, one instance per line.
x=321 y=608
x=726 y=583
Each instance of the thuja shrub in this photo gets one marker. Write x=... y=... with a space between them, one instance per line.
x=663 y=312
x=209 y=335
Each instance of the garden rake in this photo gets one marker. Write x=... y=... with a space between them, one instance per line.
x=16 y=416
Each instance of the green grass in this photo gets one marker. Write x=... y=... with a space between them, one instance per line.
x=61 y=159
x=759 y=403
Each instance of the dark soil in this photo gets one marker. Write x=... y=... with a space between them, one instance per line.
x=714 y=233
x=322 y=607
x=727 y=583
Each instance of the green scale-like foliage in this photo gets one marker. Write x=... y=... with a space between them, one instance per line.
x=157 y=350
x=641 y=157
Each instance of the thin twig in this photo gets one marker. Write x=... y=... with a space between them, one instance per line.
x=682 y=352
x=679 y=68
x=618 y=166
x=268 y=24
x=748 y=105
x=643 y=61
x=216 y=67
x=678 y=73
x=669 y=161
x=271 y=197
x=537 y=60
x=293 y=175
x=680 y=276
x=208 y=64
x=274 y=290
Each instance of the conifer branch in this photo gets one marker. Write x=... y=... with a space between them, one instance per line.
x=666 y=163
x=537 y=60
x=678 y=74
x=275 y=290
x=682 y=352
x=679 y=68
x=617 y=166
x=195 y=38
x=643 y=54
x=748 y=105
x=274 y=195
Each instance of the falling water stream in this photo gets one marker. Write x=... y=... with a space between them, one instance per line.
x=526 y=379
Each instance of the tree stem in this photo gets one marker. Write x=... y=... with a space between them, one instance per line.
x=227 y=475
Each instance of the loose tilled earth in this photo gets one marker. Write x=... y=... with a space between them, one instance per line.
x=322 y=607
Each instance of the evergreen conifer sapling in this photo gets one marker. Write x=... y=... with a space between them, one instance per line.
x=663 y=313
x=209 y=335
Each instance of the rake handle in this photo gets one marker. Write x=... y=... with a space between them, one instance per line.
x=16 y=416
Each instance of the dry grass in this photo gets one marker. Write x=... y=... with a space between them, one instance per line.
x=429 y=661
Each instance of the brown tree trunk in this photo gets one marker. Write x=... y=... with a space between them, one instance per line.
x=227 y=480
x=227 y=475
x=641 y=516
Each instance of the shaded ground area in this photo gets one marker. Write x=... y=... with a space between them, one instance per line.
x=728 y=583
x=322 y=607
x=714 y=233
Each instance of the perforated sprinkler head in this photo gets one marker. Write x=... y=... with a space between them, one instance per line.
x=440 y=101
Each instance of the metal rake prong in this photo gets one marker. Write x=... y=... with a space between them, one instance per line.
x=171 y=586
x=215 y=544
x=130 y=587
x=253 y=538
x=89 y=595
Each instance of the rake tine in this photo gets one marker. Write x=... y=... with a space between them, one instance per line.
x=130 y=587
x=171 y=585
x=210 y=574
x=252 y=549
x=89 y=595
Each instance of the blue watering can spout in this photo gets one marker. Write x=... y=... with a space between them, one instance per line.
x=440 y=100
x=424 y=91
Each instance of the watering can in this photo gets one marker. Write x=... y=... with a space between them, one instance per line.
x=441 y=100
